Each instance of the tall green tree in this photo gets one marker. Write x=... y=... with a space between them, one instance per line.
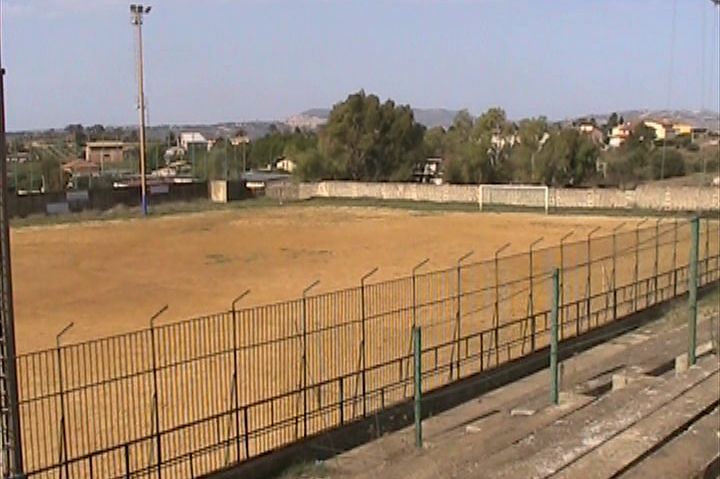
x=434 y=142
x=530 y=135
x=370 y=140
x=567 y=158
x=52 y=175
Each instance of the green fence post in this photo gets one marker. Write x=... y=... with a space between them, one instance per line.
x=417 y=353
x=562 y=276
x=636 y=272
x=674 y=258
x=458 y=317
x=692 y=288
x=588 y=304
x=554 y=338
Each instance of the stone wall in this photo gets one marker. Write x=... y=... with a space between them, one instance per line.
x=644 y=197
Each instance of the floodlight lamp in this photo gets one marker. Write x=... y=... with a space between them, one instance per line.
x=147 y=9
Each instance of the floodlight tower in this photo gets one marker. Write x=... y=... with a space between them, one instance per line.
x=137 y=13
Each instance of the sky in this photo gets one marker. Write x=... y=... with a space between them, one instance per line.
x=207 y=61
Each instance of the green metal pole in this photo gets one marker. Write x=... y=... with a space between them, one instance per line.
x=692 y=320
x=707 y=252
x=554 y=395
x=417 y=352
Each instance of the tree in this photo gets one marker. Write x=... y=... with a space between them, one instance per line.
x=671 y=165
x=479 y=150
x=612 y=122
x=370 y=140
x=530 y=135
x=76 y=134
x=170 y=138
x=434 y=142
x=52 y=174
x=313 y=166
x=642 y=136
x=266 y=150
x=96 y=132
x=567 y=158
x=462 y=124
x=217 y=159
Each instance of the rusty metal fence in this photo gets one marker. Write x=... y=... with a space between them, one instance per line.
x=185 y=399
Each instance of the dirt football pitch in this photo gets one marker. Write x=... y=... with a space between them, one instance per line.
x=109 y=277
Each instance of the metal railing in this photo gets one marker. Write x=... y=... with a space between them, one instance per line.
x=188 y=398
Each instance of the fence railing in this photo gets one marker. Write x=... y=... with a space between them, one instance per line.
x=188 y=398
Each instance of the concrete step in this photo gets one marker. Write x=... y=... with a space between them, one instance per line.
x=684 y=455
x=614 y=455
x=558 y=446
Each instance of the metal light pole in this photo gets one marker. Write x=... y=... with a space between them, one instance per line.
x=11 y=461
x=138 y=12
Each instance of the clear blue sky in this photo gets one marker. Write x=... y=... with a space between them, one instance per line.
x=72 y=61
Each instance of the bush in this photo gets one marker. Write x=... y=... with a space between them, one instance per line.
x=674 y=164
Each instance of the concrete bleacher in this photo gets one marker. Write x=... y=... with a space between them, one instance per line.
x=624 y=412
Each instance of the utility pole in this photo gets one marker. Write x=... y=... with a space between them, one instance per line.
x=138 y=12
x=245 y=142
x=11 y=461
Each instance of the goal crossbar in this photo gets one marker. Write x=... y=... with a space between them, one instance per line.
x=529 y=196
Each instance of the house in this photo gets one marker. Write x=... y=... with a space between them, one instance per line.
x=173 y=153
x=501 y=141
x=239 y=140
x=585 y=125
x=285 y=164
x=683 y=129
x=429 y=171
x=663 y=130
x=619 y=134
x=193 y=140
x=80 y=167
x=103 y=152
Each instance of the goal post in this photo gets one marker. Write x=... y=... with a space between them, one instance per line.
x=525 y=196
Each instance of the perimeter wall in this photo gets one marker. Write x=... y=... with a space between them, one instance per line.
x=669 y=198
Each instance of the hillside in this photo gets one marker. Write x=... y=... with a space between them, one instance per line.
x=430 y=117
x=705 y=118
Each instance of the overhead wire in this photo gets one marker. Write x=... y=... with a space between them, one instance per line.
x=669 y=83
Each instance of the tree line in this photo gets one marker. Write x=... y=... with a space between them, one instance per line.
x=368 y=140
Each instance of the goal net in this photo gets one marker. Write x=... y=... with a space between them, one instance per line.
x=526 y=196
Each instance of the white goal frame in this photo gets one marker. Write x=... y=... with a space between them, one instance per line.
x=483 y=188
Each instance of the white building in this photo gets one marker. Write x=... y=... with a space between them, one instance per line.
x=193 y=140
x=285 y=164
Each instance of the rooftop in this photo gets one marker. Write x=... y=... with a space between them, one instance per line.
x=105 y=144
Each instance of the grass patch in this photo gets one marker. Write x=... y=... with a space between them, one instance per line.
x=121 y=212
x=430 y=206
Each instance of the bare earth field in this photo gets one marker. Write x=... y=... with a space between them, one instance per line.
x=110 y=277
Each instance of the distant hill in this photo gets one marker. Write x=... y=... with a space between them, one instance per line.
x=253 y=129
x=430 y=117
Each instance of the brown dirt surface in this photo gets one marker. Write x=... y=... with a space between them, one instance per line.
x=109 y=277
